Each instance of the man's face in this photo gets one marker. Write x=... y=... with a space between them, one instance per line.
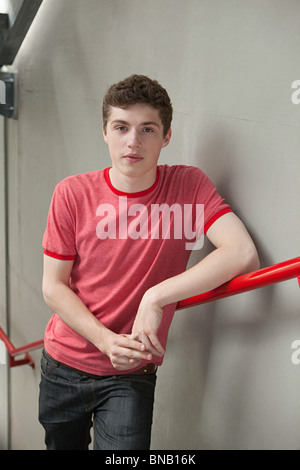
x=135 y=138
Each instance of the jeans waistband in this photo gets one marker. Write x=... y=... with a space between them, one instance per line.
x=147 y=369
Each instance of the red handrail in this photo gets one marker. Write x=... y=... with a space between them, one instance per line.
x=246 y=282
x=13 y=352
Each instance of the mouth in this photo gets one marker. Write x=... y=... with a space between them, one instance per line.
x=133 y=157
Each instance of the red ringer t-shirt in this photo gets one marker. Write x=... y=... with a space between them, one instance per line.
x=122 y=244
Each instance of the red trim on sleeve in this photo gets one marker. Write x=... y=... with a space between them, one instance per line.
x=62 y=257
x=215 y=217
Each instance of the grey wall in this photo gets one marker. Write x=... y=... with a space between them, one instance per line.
x=228 y=381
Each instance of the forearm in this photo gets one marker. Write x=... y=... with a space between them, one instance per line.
x=218 y=267
x=70 y=308
x=124 y=352
x=235 y=254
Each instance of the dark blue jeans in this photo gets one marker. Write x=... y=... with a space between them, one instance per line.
x=118 y=407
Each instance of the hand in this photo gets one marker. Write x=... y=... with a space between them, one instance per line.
x=125 y=352
x=147 y=322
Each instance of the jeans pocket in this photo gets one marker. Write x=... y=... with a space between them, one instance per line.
x=46 y=364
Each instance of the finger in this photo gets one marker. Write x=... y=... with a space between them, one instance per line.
x=123 y=363
x=152 y=344
x=132 y=342
x=133 y=349
x=137 y=337
x=134 y=336
x=156 y=343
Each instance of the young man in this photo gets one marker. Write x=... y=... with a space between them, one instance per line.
x=115 y=253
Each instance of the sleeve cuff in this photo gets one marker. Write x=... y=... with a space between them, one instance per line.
x=61 y=257
x=215 y=217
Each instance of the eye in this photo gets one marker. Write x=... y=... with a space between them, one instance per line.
x=121 y=128
x=148 y=130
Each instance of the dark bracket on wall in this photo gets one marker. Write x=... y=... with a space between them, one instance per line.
x=11 y=39
x=8 y=95
x=10 y=42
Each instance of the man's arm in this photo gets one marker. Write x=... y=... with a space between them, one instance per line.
x=123 y=351
x=235 y=254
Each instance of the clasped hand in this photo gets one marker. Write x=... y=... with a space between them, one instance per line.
x=128 y=351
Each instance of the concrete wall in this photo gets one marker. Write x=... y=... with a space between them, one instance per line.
x=228 y=381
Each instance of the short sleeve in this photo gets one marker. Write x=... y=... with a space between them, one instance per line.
x=59 y=237
x=214 y=204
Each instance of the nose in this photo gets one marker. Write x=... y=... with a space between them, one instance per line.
x=134 y=141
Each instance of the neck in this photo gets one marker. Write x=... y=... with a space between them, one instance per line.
x=132 y=184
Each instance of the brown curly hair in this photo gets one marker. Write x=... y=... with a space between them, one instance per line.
x=138 y=89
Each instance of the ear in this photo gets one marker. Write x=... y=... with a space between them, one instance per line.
x=104 y=134
x=167 y=138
